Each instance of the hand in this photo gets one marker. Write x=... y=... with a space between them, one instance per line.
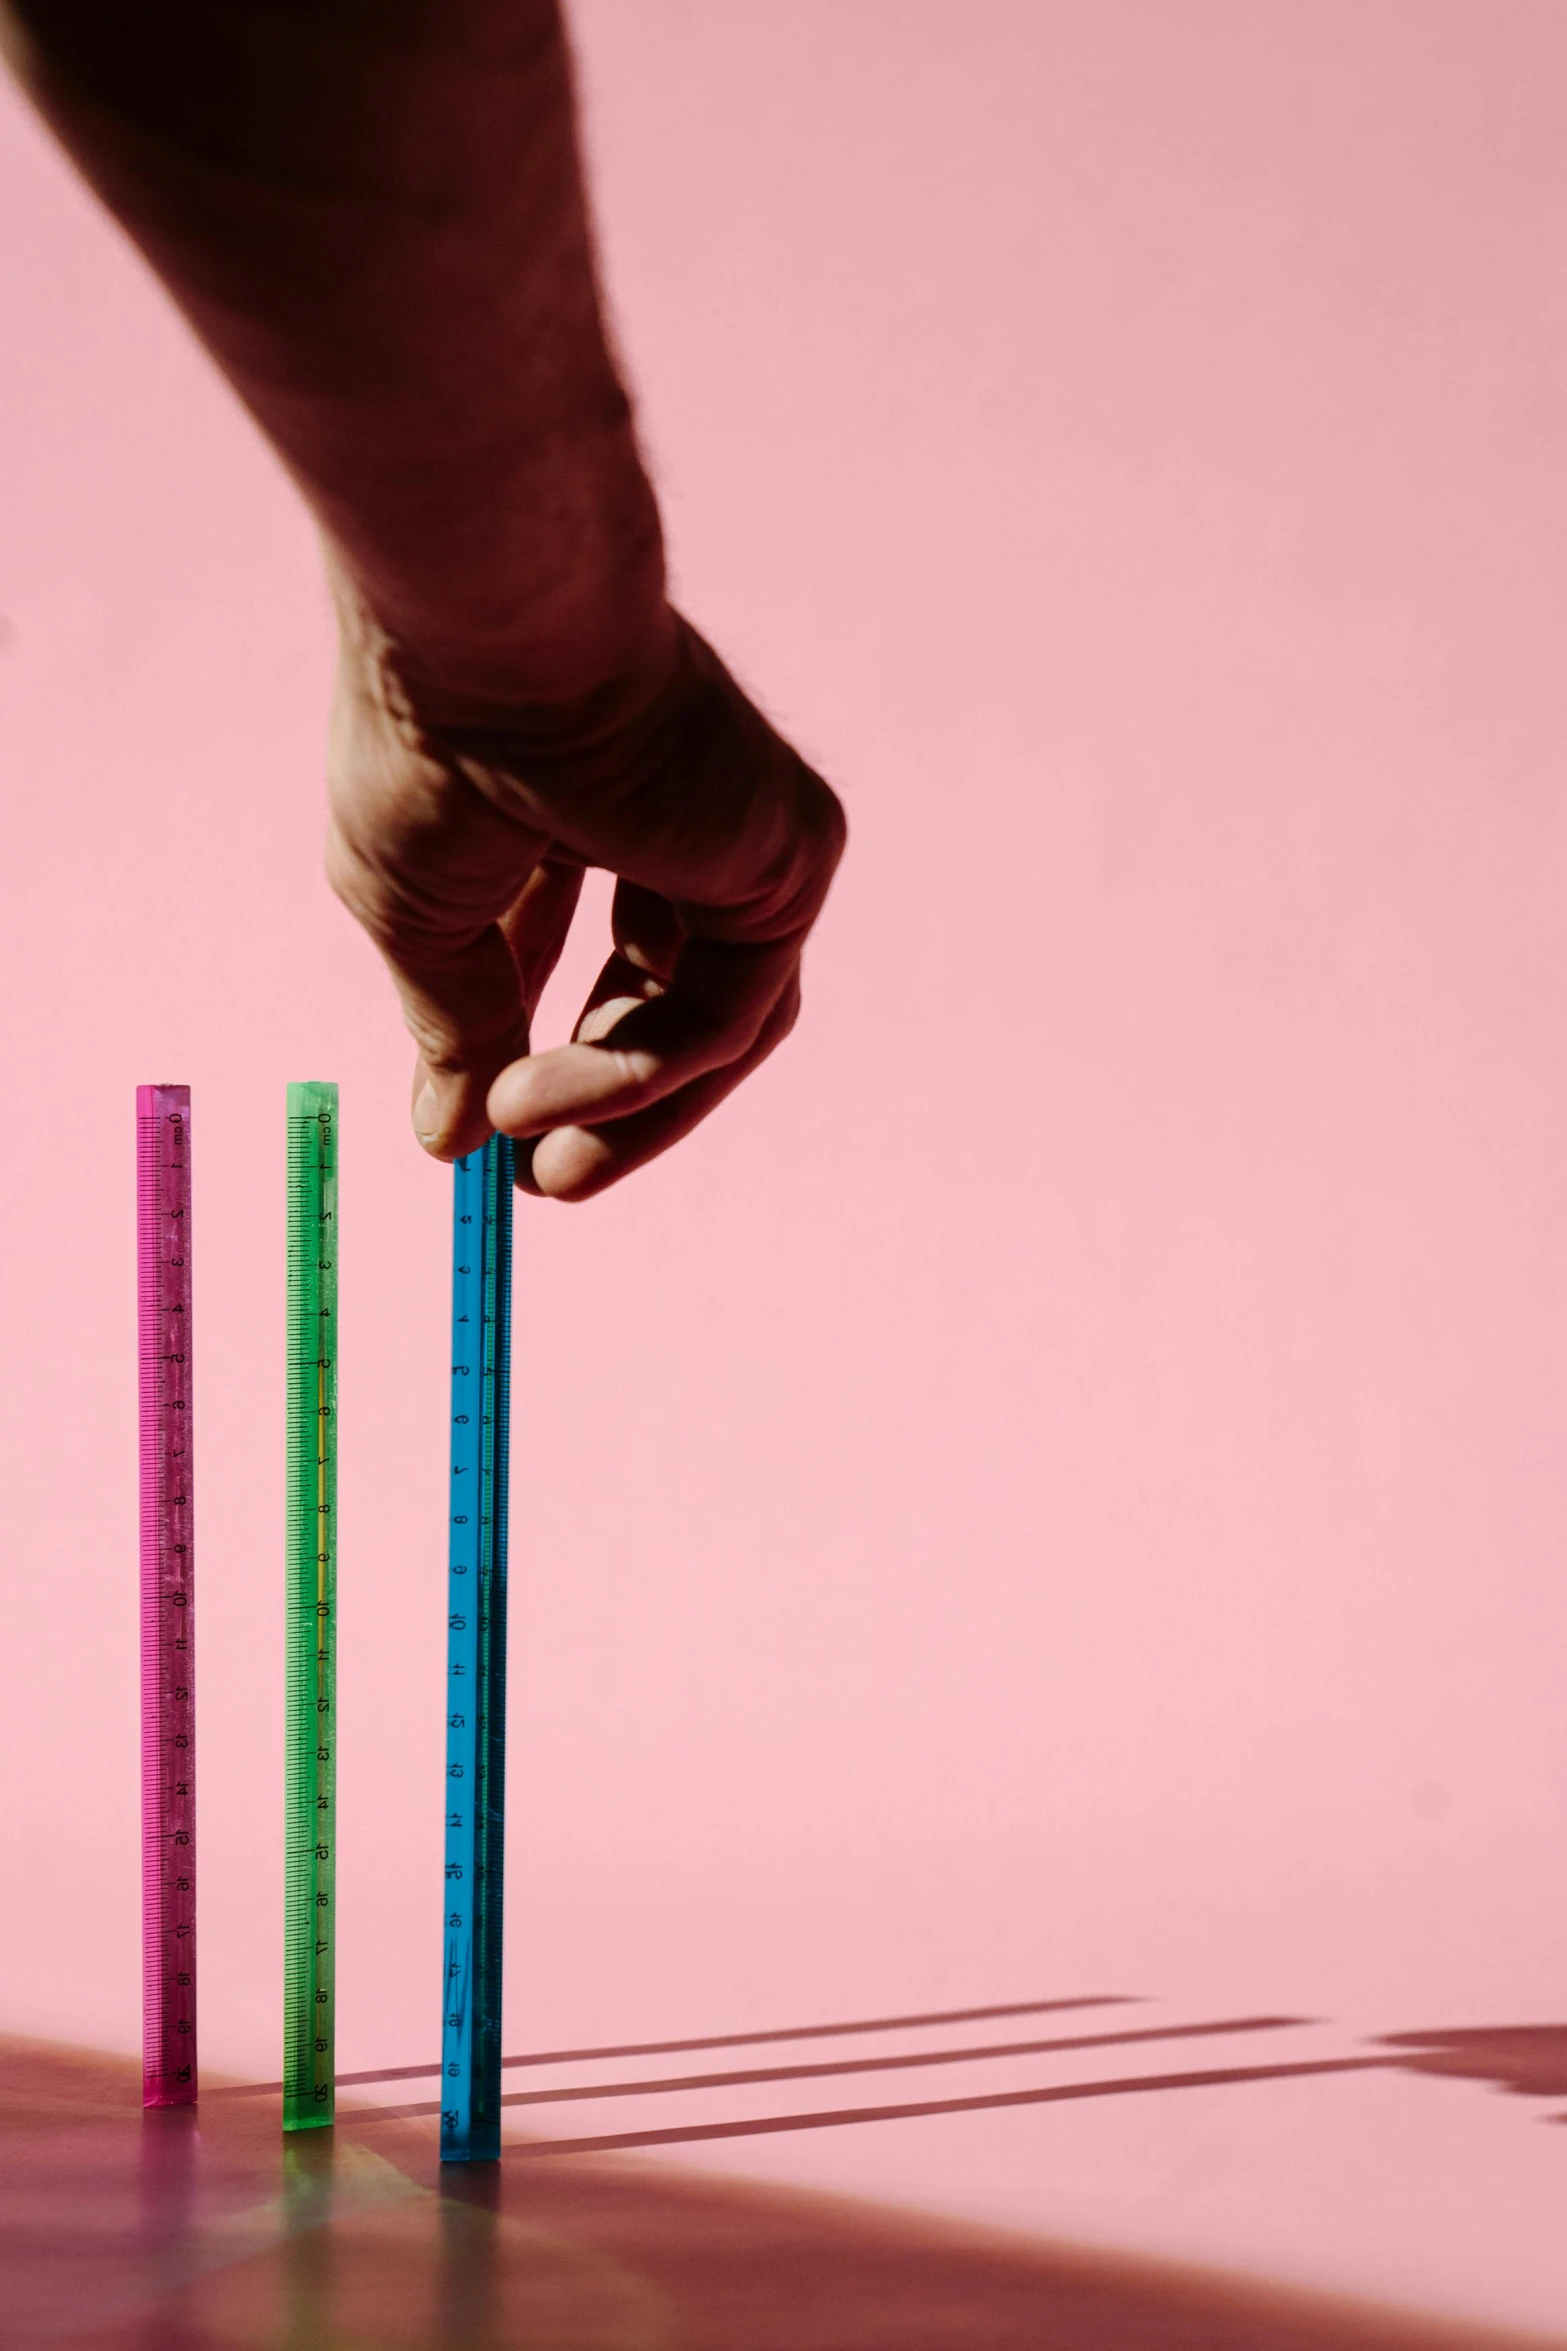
x=459 y=838
x=375 y=219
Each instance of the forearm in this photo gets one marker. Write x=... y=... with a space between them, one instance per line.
x=372 y=213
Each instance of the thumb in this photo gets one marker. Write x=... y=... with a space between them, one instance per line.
x=465 y=1010
x=470 y=1011
x=462 y=991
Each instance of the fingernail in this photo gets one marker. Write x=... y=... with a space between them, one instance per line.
x=427 y=1116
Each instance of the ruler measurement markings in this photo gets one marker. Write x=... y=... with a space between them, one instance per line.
x=165 y=1352
x=476 y=1655
x=311 y=1794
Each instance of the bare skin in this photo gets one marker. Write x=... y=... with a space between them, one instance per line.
x=372 y=212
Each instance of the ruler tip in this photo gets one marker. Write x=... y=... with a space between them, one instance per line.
x=308 y=1097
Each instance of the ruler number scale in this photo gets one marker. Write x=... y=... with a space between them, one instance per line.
x=476 y=1656
x=168 y=1679
x=310 y=1898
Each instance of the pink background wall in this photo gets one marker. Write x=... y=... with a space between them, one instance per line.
x=1060 y=1488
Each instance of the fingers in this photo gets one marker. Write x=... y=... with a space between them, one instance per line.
x=641 y=1040
x=647 y=931
x=468 y=948
x=461 y=849
x=465 y=1013
x=671 y=1026
x=537 y=922
x=480 y=1018
x=575 y=1162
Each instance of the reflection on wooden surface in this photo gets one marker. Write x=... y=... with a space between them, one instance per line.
x=204 y=2231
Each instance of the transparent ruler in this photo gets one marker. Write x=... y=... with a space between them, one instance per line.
x=168 y=1679
x=476 y=1655
x=310 y=1894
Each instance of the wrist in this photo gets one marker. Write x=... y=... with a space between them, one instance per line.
x=557 y=691
x=548 y=595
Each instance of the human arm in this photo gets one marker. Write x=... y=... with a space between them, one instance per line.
x=372 y=212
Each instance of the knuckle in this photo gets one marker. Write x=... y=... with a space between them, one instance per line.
x=808 y=855
x=642 y=1069
x=353 y=883
x=824 y=825
x=338 y=860
x=439 y=1050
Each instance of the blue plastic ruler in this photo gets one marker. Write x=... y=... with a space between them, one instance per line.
x=476 y=1656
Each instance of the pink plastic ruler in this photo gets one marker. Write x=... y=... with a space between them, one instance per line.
x=168 y=1682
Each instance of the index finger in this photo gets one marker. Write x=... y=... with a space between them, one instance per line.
x=633 y=1048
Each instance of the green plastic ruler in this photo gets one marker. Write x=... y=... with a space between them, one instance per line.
x=310 y=1900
